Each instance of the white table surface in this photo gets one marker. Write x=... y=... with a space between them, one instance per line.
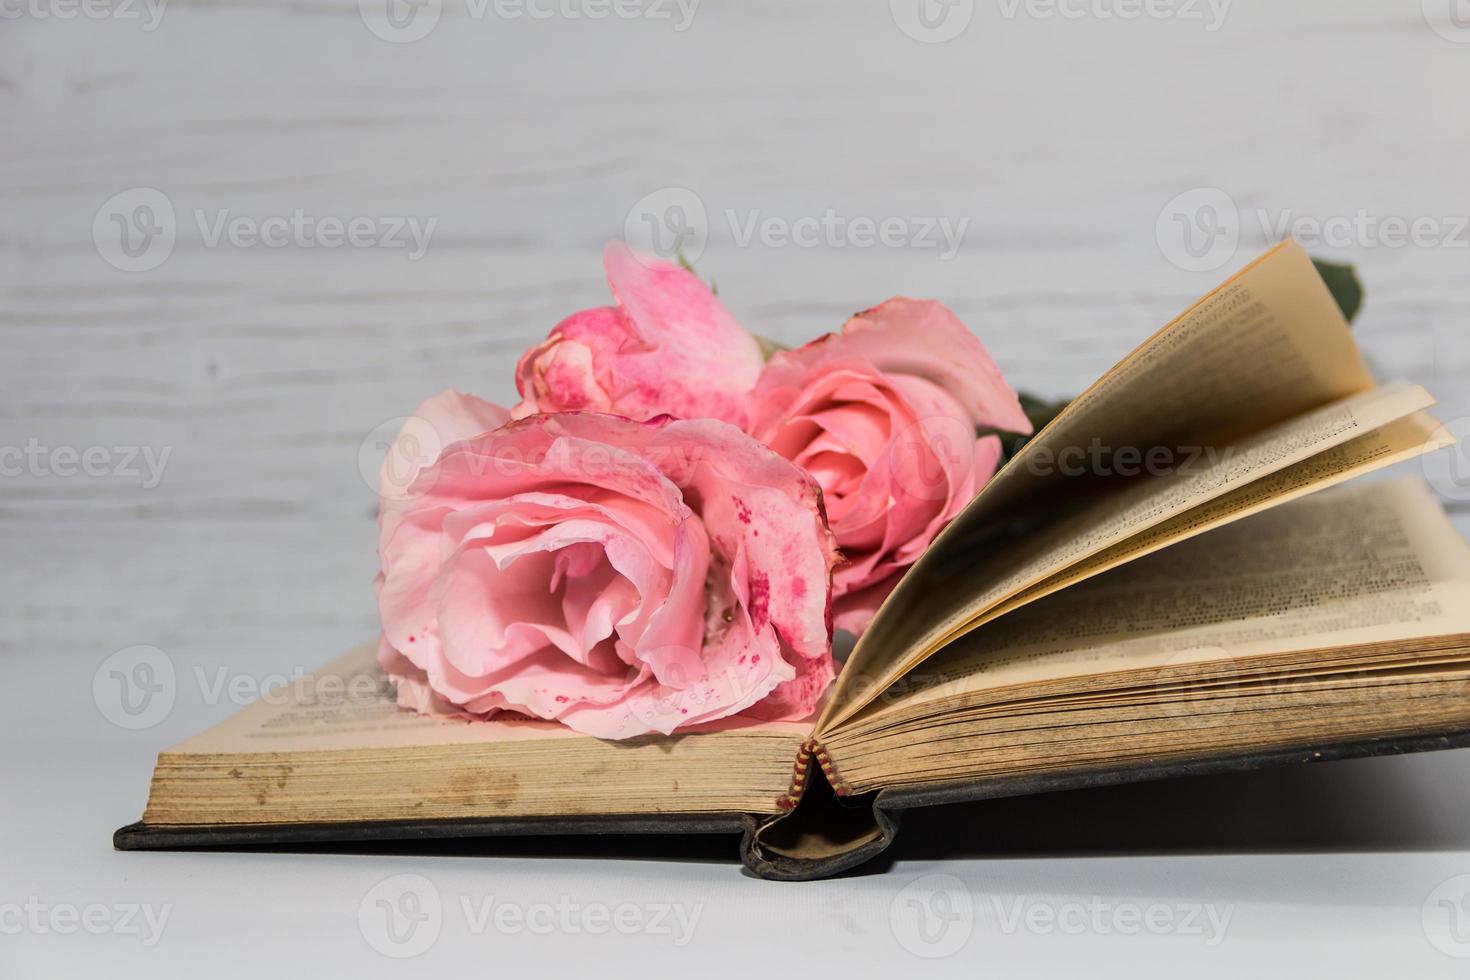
x=262 y=372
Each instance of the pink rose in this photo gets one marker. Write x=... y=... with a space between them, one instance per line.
x=620 y=577
x=884 y=416
x=668 y=348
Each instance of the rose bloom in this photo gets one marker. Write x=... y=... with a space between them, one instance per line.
x=620 y=577
x=884 y=416
x=669 y=347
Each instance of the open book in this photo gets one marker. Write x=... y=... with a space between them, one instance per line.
x=1146 y=589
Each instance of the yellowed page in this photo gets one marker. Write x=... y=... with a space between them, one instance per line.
x=349 y=705
x=1267 y=346
x=1396 y=442
x=1252 y=719
x=334 y=748
x=1106 y=521
x=1370 y=563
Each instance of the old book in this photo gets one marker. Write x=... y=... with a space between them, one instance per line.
x=1151 y=587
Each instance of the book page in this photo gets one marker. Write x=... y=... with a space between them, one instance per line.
x=1396 y=442
x=1365 y=564
x=1266 y=347
x=349 y=704
x=1105 y=522
x=334 y=748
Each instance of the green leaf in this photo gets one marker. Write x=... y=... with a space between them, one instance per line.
x=1040 y=411
x=768 y=346
x=1342 y=281
x=688 y=266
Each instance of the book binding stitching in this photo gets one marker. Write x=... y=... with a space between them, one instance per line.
x=809 y=750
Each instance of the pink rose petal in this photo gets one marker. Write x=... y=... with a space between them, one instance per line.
x=884 y=417
x=668 y=348
x=621 y=577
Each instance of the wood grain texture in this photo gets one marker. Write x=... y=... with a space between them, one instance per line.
x=264 y=370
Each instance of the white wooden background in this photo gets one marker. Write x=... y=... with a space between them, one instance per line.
x=263 y=370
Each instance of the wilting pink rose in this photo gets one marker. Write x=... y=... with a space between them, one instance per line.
x=621 y=577
x=884 y=416
x=669 y=347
